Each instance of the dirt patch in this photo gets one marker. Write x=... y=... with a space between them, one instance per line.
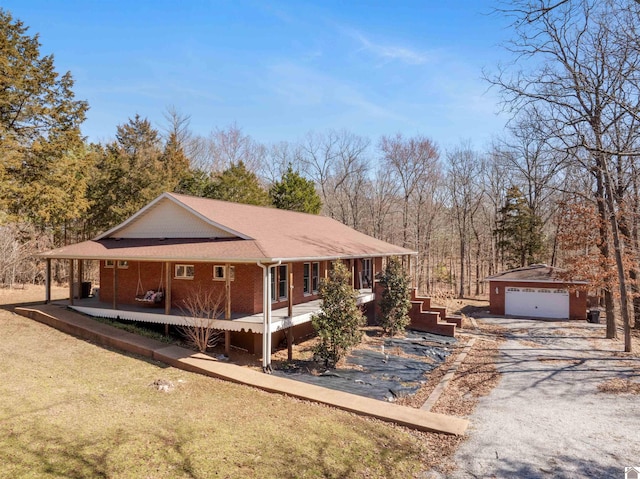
x=546 y=359
x=619 y=386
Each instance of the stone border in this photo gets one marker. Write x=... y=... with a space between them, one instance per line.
x=442 y=385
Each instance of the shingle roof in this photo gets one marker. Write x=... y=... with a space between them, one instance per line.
x=534 y=273
x=263 y=234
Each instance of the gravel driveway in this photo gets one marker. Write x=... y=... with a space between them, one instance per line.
x=546 y=418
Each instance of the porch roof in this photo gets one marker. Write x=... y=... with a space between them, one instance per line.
x=228 y=232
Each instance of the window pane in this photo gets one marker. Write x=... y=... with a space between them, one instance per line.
x=282 y=282
x=306 y=278
x=315 y=276
x=218 y=272
x=273 y=283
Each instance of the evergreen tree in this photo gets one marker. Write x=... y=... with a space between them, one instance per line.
x=129 y=173
x=519 y=231
x=339 y=321
x=175 y=164
x=195 y=182
x=40 y=140
x=396 y=298
x=239 y=185
x=296 y=193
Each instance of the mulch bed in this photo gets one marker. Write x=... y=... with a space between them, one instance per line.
x=389 y=369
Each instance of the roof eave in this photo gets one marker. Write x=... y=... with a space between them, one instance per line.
x=559 y=281
x=200 y=259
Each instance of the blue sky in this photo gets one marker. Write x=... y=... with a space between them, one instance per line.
x=279 y=69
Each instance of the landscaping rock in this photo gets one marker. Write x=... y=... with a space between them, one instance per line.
x=162 y=385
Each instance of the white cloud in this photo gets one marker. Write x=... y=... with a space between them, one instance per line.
x=390 y=52
x=303 y=86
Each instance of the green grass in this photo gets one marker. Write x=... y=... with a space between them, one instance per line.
x=72 y=409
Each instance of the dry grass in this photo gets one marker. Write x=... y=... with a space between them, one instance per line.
x=72 y=409
x=619 y=386
x=546 y=359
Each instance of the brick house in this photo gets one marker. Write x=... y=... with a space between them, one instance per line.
x=537 y=291
x=266 y=263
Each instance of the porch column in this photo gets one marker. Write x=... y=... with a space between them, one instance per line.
x=227 y=307
x=266 y=315
x=373 y=289
x=290 y=328
x=411 y=282
x=80 y=277
x=71 y=275
x=47 y=282
x=167 y=293
x=352 y=263
x=290 y=296
x=115 y=285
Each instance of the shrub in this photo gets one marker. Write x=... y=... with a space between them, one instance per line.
x=339 y=321
x=396 y=298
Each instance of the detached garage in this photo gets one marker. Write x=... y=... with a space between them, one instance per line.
x=537 y=291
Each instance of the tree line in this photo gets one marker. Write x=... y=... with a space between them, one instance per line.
x=559 y=185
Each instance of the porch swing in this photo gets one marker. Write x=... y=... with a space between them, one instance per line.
x=151 y=296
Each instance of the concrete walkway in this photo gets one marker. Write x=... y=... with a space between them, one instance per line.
x=81 y=326
x=546 y=418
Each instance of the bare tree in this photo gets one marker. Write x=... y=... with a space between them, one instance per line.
x=279 y=157
x=337 y=162
x=465 y=192
x=582 y=90
x=410 y=161
x=202 y=307
x=225 y=147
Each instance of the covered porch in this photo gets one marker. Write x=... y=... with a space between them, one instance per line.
x=251 y=323
x=282 y=321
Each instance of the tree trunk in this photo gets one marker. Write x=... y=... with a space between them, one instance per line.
x=462 y=260
x=603 y=231
x=618 y=248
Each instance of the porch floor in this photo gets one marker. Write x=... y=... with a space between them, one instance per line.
x=250 y=323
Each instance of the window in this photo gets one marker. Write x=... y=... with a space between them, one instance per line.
x=123 y=264
x=315 y=277
x=185 y=271
x=219 y=272
x=109 y=263
x=306 y=279
x=366 y=274
x=273 y=282
x=282 y=282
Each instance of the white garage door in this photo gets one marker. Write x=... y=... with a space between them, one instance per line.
x=537 y=302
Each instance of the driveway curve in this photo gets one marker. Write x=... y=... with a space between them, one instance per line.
x=546 y=417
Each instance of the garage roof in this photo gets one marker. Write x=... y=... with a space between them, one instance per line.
x=535 y=273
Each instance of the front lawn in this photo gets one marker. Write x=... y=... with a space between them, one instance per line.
x=73 y=409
